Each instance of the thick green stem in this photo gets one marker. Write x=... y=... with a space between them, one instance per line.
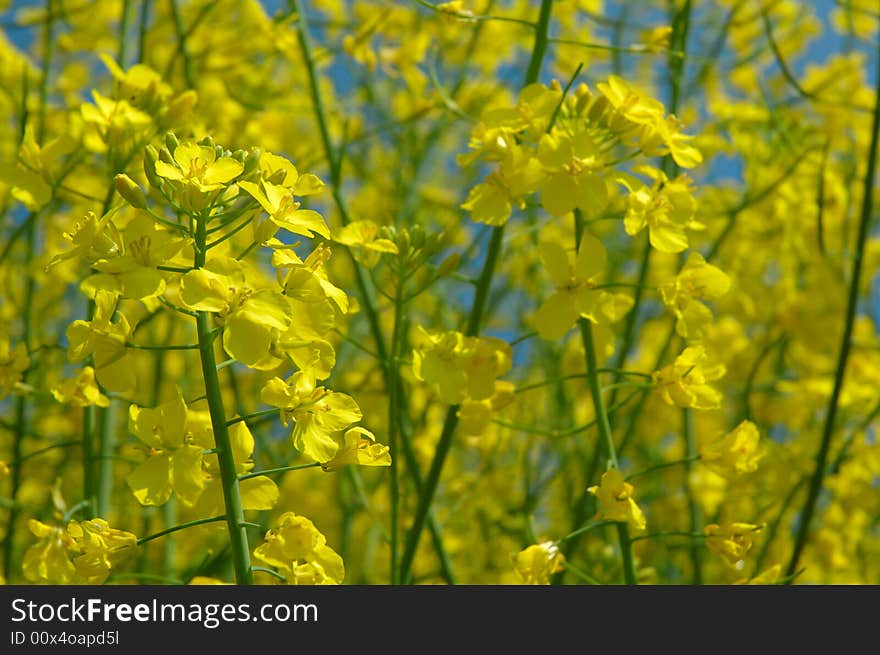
x=821 y=459
x=229 y=478
x=478 y=309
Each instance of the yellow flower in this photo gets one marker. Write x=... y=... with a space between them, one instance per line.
x=685 y=382
x=575 y=281
x=538 y=562
x=572 y=165
x=14 y=361
x=284 y=211
x=84 y=553
x=655 y=133
x=197 y=173
x=81 y=391
x=145 y=245
x=30 y=179
x=307 y=280
x=300 y=552
x=666 y=208
x=253 y=318
x=48 y=561
x=174 y=461
x=518 y=175
x=474 y=416
x=279 y=170
x=735 y=453
x=115 y=125
x=363 y=237
x=105 y=340
x=92 y=239
x=731 y=540
x=695 y=281
x=99 y=549
x=534 y=107
x=318 y=413
x=257 y=493
x=460 y=367
x=359 y=447
x=616 y=502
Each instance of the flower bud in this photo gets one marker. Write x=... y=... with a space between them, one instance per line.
x=403 y=242
x=251 y=161
x=130 y=191
x=449 y=265
x=598 y=109
x=417 y=236
x=151 y=156
x=171 y=141
x=166 y=156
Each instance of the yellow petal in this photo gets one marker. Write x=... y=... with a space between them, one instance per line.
x=555 y=317
x=258 y=493
x=151 y=481
x=591 y=258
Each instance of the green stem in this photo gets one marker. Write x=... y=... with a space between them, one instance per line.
x=188 y=346
x=592 y=525
x=248 y=417
x=142 y=29
x=694 y=514
x=821 y=458
x=271 y=572
x=604 y=426
x=333 y=161
x=182 y=526
x=665 y=465
x=104 y=479
x=367 y=299
x=393 y=423
x=182 y=46
x=30 y=287
x=124 y=21
x=229 y=478
x=444 y=444
x=280 y=469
